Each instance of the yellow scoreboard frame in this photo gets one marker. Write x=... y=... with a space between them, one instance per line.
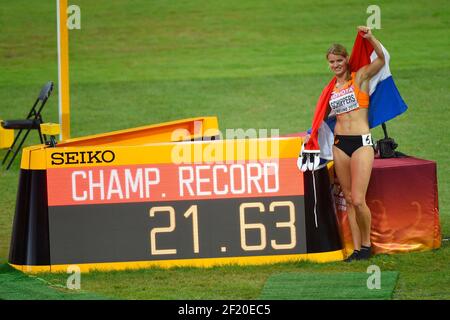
x=172 y=194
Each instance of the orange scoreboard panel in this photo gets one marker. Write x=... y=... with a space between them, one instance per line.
x=182 y=203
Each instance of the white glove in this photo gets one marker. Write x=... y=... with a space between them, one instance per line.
x=308 y=159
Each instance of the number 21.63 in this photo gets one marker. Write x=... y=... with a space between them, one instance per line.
x=244 y=227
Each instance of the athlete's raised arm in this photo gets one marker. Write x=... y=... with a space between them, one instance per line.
x=367 y=72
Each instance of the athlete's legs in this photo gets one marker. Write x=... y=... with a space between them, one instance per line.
x=342 y=167
x=361 y=168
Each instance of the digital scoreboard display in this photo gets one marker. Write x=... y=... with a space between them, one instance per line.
x=121 y=207
x=182 y=211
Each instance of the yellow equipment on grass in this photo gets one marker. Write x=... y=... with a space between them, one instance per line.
x=6 y=137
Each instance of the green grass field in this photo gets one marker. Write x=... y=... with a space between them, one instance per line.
x=251 y=63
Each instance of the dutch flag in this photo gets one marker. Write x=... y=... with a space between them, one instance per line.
x=385 y=101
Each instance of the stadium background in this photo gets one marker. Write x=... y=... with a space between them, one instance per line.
x=253 y=64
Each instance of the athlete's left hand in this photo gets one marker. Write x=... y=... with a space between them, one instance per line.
x=366 y=32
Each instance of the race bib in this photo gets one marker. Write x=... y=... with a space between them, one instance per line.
x=343 y=101
x=367 y=140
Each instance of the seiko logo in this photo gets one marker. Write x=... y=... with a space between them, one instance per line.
x=59 y=158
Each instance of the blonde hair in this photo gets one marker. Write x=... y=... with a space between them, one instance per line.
x=337 y=49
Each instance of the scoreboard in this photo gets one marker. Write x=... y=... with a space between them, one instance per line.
x=177 y=203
